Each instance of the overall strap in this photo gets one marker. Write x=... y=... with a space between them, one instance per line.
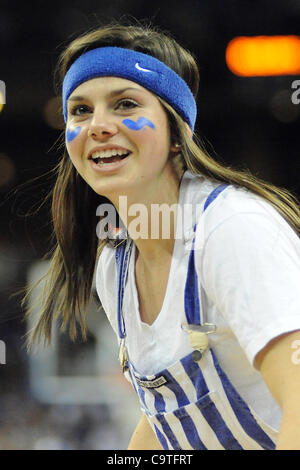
x=191 y=292
x=121 y=256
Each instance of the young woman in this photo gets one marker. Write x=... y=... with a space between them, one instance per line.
x=208 y=316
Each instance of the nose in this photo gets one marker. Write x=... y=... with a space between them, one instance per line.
x=102 y=126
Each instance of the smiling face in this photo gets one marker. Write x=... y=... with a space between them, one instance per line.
x=109 y=118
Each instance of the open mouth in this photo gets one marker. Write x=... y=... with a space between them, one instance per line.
x=112 y=159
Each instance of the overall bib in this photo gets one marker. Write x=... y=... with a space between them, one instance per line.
x=192 y=404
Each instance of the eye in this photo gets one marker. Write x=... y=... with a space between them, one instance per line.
x=126 y=104
x=79 y=109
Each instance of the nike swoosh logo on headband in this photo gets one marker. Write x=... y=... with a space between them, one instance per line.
x=137 y=66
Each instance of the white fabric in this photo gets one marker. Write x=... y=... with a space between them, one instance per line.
x=247 y=258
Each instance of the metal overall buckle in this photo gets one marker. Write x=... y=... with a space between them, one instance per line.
x=123 y=357
x=198 y=338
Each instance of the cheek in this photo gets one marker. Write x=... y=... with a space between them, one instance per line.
x=72 y=133
x=141 y=123
x=74 y=140
x=153 y=136
x=142 y=130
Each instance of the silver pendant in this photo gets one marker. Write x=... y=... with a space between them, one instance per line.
x=123 y=359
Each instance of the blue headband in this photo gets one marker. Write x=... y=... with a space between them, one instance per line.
x=141 y=68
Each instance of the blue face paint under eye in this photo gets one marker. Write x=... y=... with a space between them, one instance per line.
x=72 y=133
x=137 y=126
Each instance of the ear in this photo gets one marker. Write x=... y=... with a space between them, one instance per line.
x=189 y=130
x=176 y=147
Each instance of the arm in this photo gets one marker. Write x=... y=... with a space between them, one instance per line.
x=144 y=437
x=281 y=373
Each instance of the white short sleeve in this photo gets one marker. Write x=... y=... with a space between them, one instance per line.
x=250 y=269
x=107 y=285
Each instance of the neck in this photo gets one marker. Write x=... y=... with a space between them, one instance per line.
x=152 y=223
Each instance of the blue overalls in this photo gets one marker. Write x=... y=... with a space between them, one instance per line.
x=192 y=404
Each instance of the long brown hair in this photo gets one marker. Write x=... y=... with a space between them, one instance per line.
x=68 y=283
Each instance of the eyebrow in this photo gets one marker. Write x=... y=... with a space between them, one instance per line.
x=110 y=95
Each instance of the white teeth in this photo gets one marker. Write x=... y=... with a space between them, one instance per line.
x=108 y=153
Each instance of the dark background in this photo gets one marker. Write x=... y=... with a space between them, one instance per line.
x=245 y=122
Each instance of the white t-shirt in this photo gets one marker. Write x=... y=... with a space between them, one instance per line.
x=247 y=259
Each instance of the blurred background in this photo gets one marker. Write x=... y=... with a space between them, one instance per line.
x=73 y=396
